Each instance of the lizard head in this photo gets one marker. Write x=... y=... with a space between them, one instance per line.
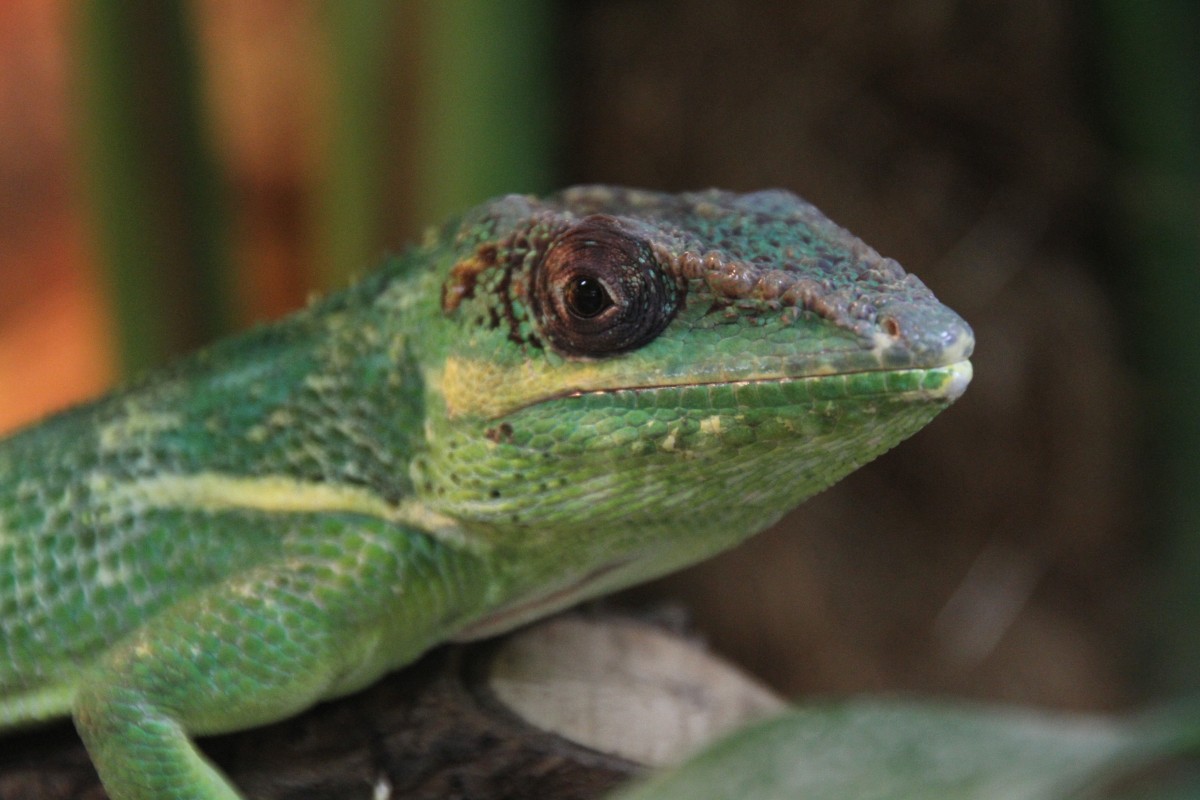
x=653 y=377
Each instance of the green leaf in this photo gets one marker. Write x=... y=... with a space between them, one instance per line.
x=877 y=750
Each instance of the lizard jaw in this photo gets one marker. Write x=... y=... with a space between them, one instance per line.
x=945 y=383
x=960 y=374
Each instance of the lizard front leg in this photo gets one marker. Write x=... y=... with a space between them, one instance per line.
x=346 y=604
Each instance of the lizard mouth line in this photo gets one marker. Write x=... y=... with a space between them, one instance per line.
x=945 y=382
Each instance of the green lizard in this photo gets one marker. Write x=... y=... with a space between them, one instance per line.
x=547 y=400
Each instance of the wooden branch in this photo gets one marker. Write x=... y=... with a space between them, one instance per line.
x=550 y=712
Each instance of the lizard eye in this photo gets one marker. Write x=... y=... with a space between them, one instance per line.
x=599 y=291
x=586 y=297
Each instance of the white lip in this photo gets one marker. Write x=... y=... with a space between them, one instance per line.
x=956 y=382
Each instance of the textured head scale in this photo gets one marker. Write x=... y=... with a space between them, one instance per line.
x=645 y=378
x=758 y=253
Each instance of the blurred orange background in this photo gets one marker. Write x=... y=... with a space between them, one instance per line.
x=55 y=346
x=56 y=339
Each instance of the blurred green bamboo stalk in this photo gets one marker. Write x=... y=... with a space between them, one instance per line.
x=481 y=117
x=351 y=193
x=151 y=179
x=1152 y=88
x=486 y=102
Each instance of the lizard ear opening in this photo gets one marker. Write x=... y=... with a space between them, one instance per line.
x=599 y=291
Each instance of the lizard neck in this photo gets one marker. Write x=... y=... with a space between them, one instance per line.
x=329 y=397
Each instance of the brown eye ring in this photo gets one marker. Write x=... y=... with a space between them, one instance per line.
x=599 y=291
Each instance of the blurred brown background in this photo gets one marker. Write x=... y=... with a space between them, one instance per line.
x=1018 y=549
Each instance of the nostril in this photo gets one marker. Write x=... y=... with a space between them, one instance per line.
x=920 y=335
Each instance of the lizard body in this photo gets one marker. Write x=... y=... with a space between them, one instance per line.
x=546 y=400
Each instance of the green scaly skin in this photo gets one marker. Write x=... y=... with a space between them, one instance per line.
x=547 y=400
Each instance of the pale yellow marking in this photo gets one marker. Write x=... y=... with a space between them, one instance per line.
x=281 y=418
x=321 y=383
x=136 y=424
x=106 y=577
x=215 y=491
x=488 y=390
x=278 y=419
x=711 y=425
x=485 y=389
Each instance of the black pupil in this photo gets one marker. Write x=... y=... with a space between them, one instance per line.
x=587 y=297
